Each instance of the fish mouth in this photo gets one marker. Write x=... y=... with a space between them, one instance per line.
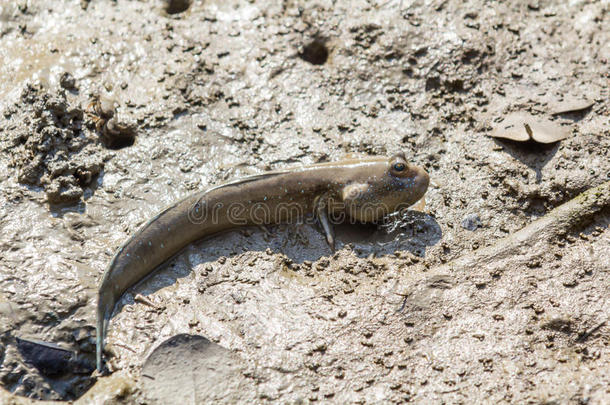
x=423 y=179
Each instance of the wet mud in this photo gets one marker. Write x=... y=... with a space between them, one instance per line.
x=110 y=110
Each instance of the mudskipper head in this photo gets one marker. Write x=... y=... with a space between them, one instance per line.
x=406 y=183
x=391 y=186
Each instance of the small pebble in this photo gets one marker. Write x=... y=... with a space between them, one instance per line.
x=67 y=81
x=471 y=222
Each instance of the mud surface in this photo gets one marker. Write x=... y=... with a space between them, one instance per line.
x=113 y=109
x=49 y=146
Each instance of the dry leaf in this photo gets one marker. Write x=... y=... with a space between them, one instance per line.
x=570 y=105
x=523 y=127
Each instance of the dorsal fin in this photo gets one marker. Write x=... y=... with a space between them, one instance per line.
x=248 y=179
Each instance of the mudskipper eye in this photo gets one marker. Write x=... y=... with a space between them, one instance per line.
x=399 y=167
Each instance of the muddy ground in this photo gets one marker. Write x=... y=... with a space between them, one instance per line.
x=113 y=109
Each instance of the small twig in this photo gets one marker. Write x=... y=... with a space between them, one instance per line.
x=532 y=240
x=124 y=347
x=591 y=331
x=143 y=300
x=535 y=236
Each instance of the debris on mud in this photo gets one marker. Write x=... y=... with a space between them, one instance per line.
x=190 y=366
x=471 y=222
x=52 y=360
x=50 y=146
x=116 y=130
x=523 y=127
x=571 y=105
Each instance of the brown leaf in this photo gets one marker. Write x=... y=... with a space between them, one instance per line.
x=570 y=105
x=523 y=127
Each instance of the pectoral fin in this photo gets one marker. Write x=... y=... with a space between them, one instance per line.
x=354 y=193
x=420 y=205
x=359 y=202
x=321 y=210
